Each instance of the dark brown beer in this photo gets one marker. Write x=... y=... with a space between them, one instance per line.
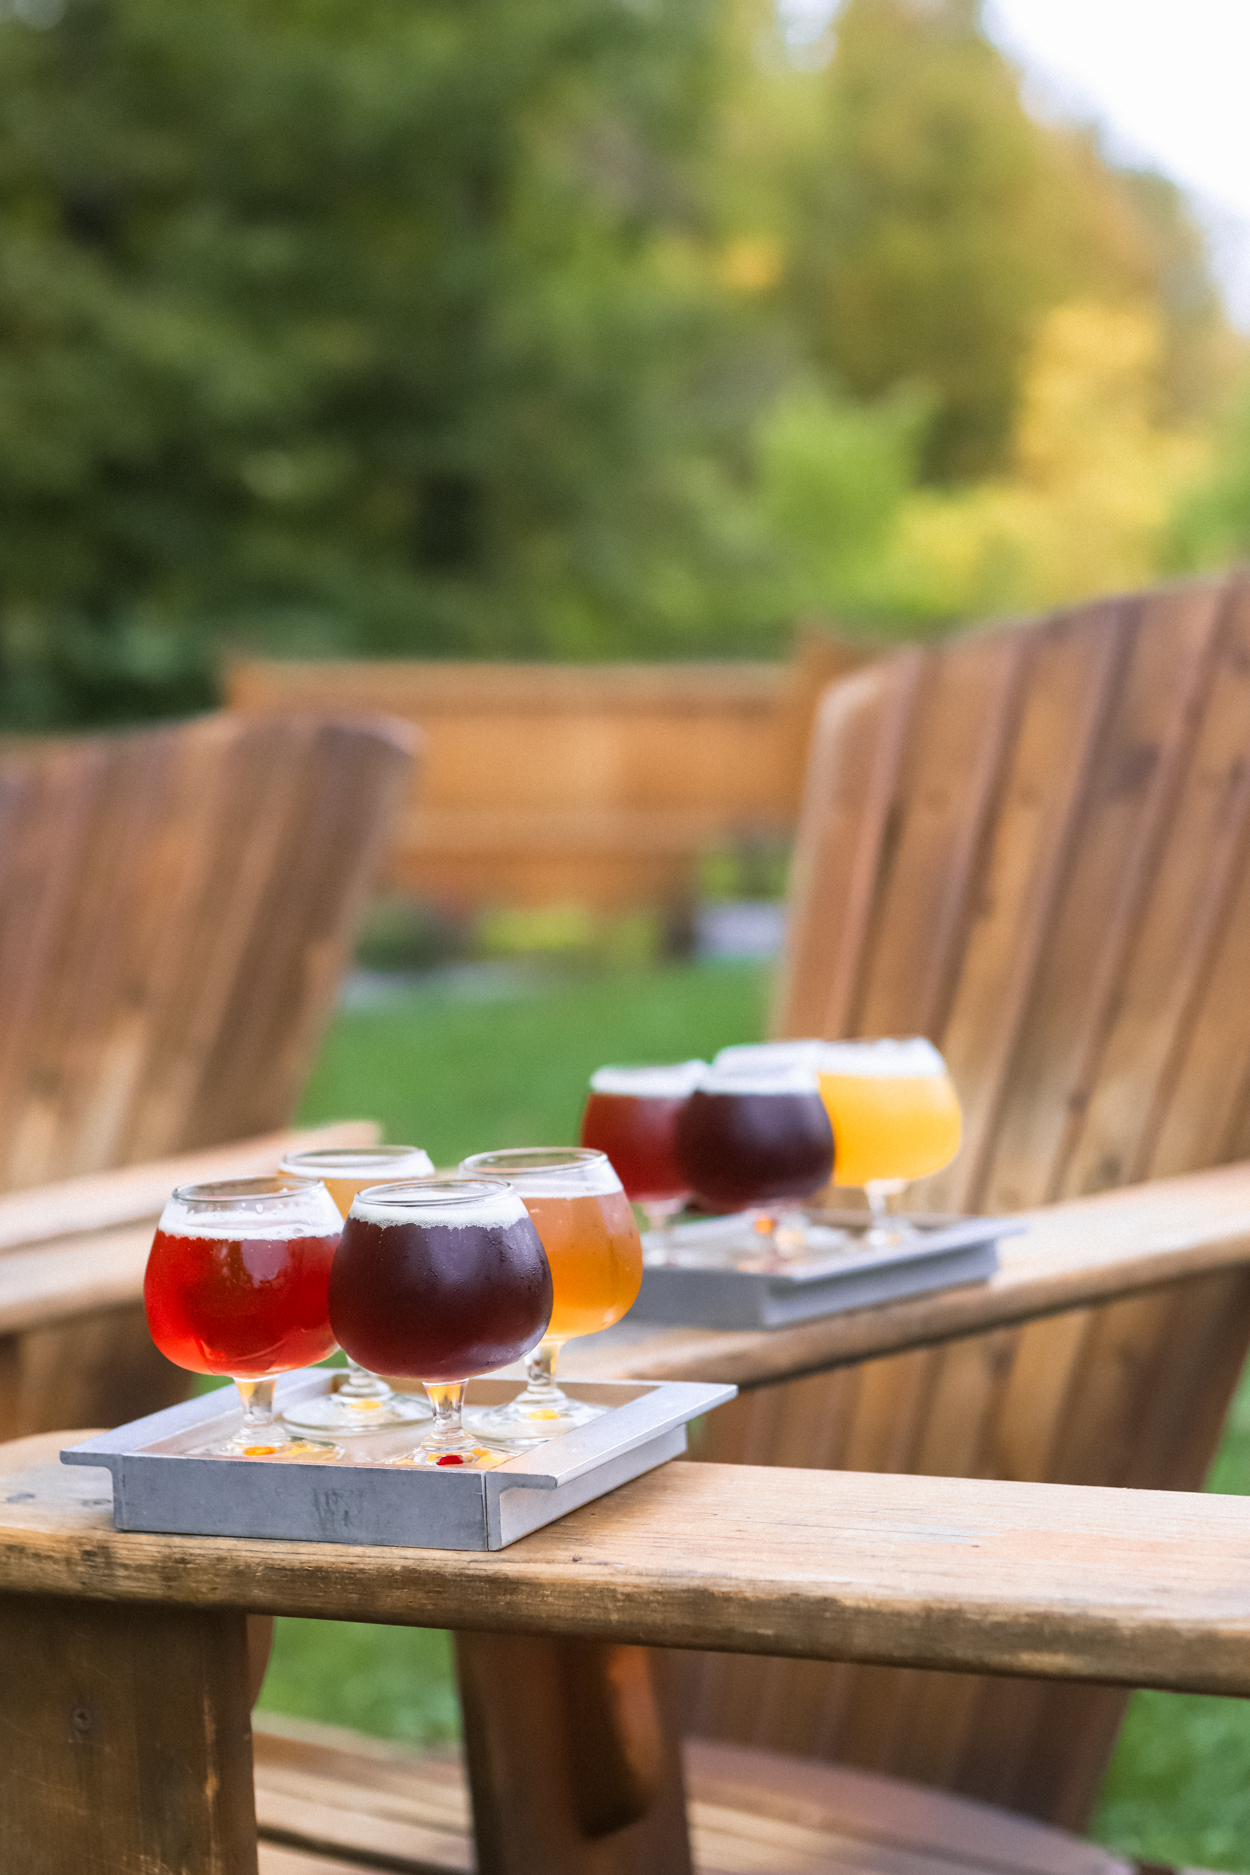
x=438 y=1292
x=758 y=1139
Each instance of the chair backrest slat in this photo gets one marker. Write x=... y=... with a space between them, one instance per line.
x=1033 y=845
x=175 y=911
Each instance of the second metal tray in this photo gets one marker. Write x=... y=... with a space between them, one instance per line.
x=716 y=1274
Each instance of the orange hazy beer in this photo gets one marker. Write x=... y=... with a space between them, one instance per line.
x=594 y=1251
x=595 y=1254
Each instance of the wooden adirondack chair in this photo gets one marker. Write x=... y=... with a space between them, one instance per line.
x=176 y=908
x=1030 y=844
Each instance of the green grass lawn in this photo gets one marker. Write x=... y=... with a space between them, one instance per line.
x=459 y=1074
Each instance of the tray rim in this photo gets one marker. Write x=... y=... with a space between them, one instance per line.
x=654 y=1409
x=965 y=1233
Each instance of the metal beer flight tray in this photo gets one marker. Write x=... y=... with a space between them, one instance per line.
x=718 y=1272
x=357 y=1499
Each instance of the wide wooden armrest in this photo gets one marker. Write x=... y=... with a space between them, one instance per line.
x=1069 y=1255
x=80 y=1245
x=1054 y=1581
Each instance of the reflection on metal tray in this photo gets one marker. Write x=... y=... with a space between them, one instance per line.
x=157 y=1485
x=726 y=1272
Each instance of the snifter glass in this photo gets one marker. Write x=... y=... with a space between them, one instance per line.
x=631 y=1115
x=437 y=1280
x=755 y=1136
x=588 y=1231
x=895 y=1115
x=364 y=1403
x=891 y=1103
x=237 y=1283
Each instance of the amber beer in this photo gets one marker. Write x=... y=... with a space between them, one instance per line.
x=588 y=1230
x=894 y=1110
x=364 y=1403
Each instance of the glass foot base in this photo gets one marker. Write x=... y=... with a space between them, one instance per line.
x=468 y=1458
x=257 y=1446
x=523 y=1424
x=347 y=1417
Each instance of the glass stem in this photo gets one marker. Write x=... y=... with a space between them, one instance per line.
x=658 y=1211
x=540 y=1369
x=876 y=1195
x=361 y=1384
x=447 y=1399
x=257 y=1397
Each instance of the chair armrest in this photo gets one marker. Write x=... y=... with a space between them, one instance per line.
x=80 y=1245
x=1070 y=1255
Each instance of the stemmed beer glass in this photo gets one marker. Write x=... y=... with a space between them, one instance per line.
x=631 y=1115
x=896 y=1117
x=364 y=1403
x=588 y=1232
x=891 y=1103
x=437 y=1280
x=755 y=1138
x=237 y=1283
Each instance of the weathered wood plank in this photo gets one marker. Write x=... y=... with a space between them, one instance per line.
x=127 y=1745
x=1086 y=1251
x=1056 y=1581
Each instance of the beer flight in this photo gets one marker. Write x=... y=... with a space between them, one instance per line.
x=428 y=1281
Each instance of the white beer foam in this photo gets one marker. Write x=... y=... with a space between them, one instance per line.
x=233 y=1228
x=495 y=1212
x=413 y=1162
x=911 y=1058
x=673 y=1082
x=777 y=1080
x=768 y=1057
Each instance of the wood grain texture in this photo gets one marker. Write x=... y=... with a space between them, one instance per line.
x=571 y=1766
x=326 y=1792
x=127 y=1742
x=175 y=911
x=1053 y=1581
x=1033 y=845
x=1070 y=1255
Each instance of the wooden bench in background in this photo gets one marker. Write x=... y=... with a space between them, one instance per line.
x=600 y=785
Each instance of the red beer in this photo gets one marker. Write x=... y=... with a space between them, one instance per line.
x=245 y=1306
x=631 y=1115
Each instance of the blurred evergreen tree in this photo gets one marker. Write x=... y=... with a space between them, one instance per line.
x=353 y=324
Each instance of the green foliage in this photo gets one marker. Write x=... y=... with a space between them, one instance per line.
x=347 y=324
x=456 y=327
x=931 y=223
x=834 y=477
x=1212 y=527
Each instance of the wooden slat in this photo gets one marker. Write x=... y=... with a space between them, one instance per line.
x=78 y=1206
x=335 y=1793
x=126 y=1740
x=1129 y=1587
x=175 y=910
